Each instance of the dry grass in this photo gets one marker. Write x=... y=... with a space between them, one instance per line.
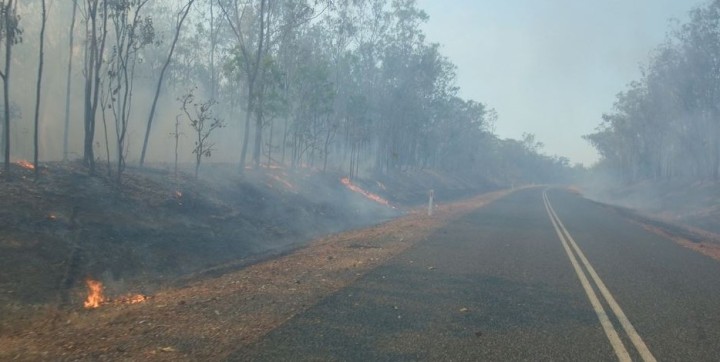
x=209 y=319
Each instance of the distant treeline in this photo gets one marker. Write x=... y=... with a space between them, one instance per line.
x=344 y=84
x=667 y=124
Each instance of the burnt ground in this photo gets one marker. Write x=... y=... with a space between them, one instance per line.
x=686 y=212
x=210 y=317
x=695 y=204
x=156 y=231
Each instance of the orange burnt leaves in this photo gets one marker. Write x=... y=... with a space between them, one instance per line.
x=346 y=181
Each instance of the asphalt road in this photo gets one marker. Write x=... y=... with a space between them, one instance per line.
x=500 y=284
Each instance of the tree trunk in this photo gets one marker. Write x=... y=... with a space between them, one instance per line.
x=213 y=45
x=258 y=128
x=6 y=82
x=68 y=83
x=93 y=65
x=270 y=146
x=284 y=141
x=184 y=12
x=38 y=88
x=259 y=70
x=246 y=135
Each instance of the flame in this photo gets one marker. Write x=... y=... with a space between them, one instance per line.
x=346 y=181
x=132 y=299
x=95 y=294
x=25 y=164
x=96 y=298
x=283 y=181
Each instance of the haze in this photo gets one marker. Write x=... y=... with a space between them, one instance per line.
x=550 y=67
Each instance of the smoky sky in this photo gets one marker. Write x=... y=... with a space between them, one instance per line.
x=550 y=67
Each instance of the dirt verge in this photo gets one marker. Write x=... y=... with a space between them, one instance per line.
x=699 y=240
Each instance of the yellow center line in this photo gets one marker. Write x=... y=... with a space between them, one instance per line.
x=614 y=306
x=605 y=322
x=635 y=338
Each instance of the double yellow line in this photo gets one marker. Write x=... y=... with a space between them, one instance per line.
x=612 y=335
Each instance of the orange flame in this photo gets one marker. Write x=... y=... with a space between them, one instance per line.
x=96 y=298
x=346 y=181
x=95 y=294
x=281 y=180
x=132 y=299
x=25 y=164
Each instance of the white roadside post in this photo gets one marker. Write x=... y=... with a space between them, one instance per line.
x=431 y=195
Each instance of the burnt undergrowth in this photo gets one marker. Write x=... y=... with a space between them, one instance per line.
x=157 y=229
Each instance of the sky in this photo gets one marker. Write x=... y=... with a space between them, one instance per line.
x=550 y=67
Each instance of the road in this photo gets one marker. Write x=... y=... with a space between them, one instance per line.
x=536 y=276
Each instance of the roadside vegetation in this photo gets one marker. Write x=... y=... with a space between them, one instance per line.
x=666 y=124
x=334 y=85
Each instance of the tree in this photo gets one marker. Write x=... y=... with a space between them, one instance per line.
x=68 y=88
x=96 y=20
x=202 y=120
x=247 y=58
x=11 y=34
x=667 y=123
x=258 y=26
x=180 y=19
x=41 y=58
x=132 y=33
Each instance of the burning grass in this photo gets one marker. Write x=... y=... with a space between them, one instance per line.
x=210 y=319
x=346 y=181
x=96 y=296
x=25 y=164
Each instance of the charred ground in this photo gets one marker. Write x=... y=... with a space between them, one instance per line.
x=156 y=228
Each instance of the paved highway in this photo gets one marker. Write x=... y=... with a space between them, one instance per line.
x=540 y=275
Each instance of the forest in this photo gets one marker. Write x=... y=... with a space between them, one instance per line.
x=666 y=124
x=345 y=85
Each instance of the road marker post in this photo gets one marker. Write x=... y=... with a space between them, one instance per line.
x=431 y=195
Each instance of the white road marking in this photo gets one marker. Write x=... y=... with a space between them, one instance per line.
x=624 y=321
x=607 y=326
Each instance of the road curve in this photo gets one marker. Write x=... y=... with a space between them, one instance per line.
x=537 y=275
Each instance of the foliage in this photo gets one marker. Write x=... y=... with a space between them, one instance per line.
x=667 y=123
x=342 y=85
x=204 y=122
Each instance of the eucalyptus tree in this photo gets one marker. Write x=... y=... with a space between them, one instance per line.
x=96 y=30
x=179 y=20
x=11 y=34
x=249 y=22
x=132 y=31
x=667 y=123
x=259 y=26
x=68 y=83
x=38 y=88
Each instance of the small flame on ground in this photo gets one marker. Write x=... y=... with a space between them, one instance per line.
x=25 y=164
x=346 y=181
x=132 y=299
x=96 y=297
x=95 y=294
x=283 y=181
